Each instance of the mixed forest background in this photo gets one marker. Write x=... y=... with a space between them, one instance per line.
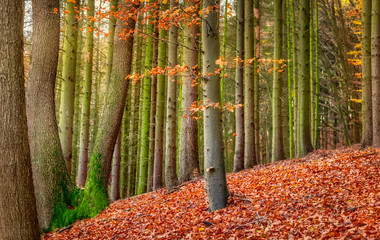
x=127 y=97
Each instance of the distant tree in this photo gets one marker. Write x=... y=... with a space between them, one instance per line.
x=18 y=215
x=215 y=176
x=376 y=71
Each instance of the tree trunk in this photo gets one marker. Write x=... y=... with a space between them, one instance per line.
x=51 y=179
x=317 y=86
x=215 y=176
x=376 y=72
x=115 y=176
x=256 y=75
x=239 y=89
x=66 y=111
x=290 y=81
x=18 y=215
x=188 y=153
x=160 y=111
x=85 y=115
x=304 y=141
x=249 y=111
x=277 y=134
x=171 y=107
x=95 y=195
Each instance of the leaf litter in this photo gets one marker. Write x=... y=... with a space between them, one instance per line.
x=329 y=194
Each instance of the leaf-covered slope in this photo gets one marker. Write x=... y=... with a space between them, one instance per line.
x=333 y=194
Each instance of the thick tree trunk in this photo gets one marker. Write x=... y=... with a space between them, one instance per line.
x=95 y=195
x=66 y=110
x=249 y=111
x=51 y=179
x=239 y=89
x=160 y=111
x=376 y=72
x=366 y=73
x=171 y=107
x=18 y=215
x=215 y=176
x=277 y=134
x=304 y=140
x=85 y=114
x=188 y=152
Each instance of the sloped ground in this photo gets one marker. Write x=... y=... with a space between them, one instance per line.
x=327 y=195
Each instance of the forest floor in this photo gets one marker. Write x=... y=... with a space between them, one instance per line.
x=332 y=194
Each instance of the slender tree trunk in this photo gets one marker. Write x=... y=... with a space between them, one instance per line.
x=277 y=134
x=376 y=72
x=215 y=176
x=188 y=153
x=294 y=74
x=160 y=111
x=115 y=176
x=239 y=89
x=66 y=111
x=51 y=179
x=304 y=141
x=249 y=111
x=145 y=120
x=317 y=86
x=366 y=74
x=18 y=215
x=256 y=76
x=85 y=115
x=171 y=107
x=95 y=195
x=290 y=81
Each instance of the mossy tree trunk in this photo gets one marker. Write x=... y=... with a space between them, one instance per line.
x=188 y=152
x=160 y=111
x=115 y=176
x=18 y=215
x=86 y=101
x=95 y=195
x=277 y=134
x=51 y=179
x=239 y=89
x=171 y=107
x=215 y=176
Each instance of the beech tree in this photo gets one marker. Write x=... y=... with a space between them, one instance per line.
x=215 y=175
x=18 y=215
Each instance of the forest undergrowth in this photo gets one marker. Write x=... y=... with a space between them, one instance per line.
x=326 y=195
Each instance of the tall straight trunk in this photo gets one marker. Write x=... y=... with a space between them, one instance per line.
x=66 y=111
x=249 y=111
x=115 y=174
x=290 y=80
x=95 y=195
x=78 y=86
x=188 y=153
x=152 y=120
x=239 y=89
x=160 y=111
x=304 y=141
x=215 y=176
x=277 y=134
x=294 y=74
x=376 y=72
x=366 y=74
x=86 y=100
x=18 y=215
x=256 y=44
x=311 y=55
x=222 y=84
x=51 y=179
x=317 y=86
x=171 y=107
x=145 y=120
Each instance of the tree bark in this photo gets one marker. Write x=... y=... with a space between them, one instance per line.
x=188 y=152
x=51 y=178
x=18 y=215
x=376 y=72
x=115 y=176
x=239 y=89
x=171 y=107
x=215 y=176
